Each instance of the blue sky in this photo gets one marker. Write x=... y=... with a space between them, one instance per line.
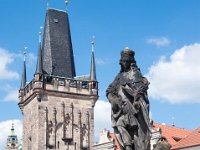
x=165 y=36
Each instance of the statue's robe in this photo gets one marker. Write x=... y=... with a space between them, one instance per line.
x=130 y=116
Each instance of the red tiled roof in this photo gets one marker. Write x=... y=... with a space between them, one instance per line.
x=171 y=133
x=193 y=139
x=112 y=136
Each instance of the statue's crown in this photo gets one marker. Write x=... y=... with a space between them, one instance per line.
x=127 y=52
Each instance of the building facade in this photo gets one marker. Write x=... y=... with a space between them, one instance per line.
x=107 y=141
x=57 y=105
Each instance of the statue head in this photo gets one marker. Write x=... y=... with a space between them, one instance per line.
x=127 y=60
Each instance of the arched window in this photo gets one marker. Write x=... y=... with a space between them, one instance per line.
x=58 y=145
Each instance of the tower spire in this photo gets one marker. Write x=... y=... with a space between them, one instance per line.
x=93 y=43
x=39 y=61
x=93 y=67
x=23 y=82
x=13 y=129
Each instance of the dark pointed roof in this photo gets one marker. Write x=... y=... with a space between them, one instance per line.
x=57 y=52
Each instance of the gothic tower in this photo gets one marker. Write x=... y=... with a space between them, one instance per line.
x=57 y=105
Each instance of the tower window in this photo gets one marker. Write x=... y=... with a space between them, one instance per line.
x=58 y=144
x=176 y=139
x=55 y=20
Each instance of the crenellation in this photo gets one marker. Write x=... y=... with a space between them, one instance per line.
x=73 y=88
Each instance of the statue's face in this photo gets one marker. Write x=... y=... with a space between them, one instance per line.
x=125 y=64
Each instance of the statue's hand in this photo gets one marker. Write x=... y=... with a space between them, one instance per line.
x=115 y=101
x=128 y=108
x=137 y=105
x=125 y=108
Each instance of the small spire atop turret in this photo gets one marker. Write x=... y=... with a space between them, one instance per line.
x=25 y=48
x=47 y=4
x=12 y=129
x=39 y=61
x=173 y=124
x=67 y=3
x=93 y=67
x=23 y=82
x=40 y=35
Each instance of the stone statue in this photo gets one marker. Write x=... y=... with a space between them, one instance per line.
x=130 y=105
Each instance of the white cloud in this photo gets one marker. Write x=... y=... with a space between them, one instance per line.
x=7 y=58
x=177 y=80
x=100 y=61
x=5 y=127
x=102 y=117
x=12 y=95
x=159 y=41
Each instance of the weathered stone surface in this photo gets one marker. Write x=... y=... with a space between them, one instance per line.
x=59 y=119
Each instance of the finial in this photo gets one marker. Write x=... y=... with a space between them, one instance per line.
x=79 y=114
x=173 y=124
x=71 y=105
x=47 y=4
x=46 y=110
x=67 y=3
x=54 y=110
x=40 y=34
x=93 y=43
x=63 y=104
x=12 y=126
x=12 y=129
x=25 y=48
x=127 y=48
